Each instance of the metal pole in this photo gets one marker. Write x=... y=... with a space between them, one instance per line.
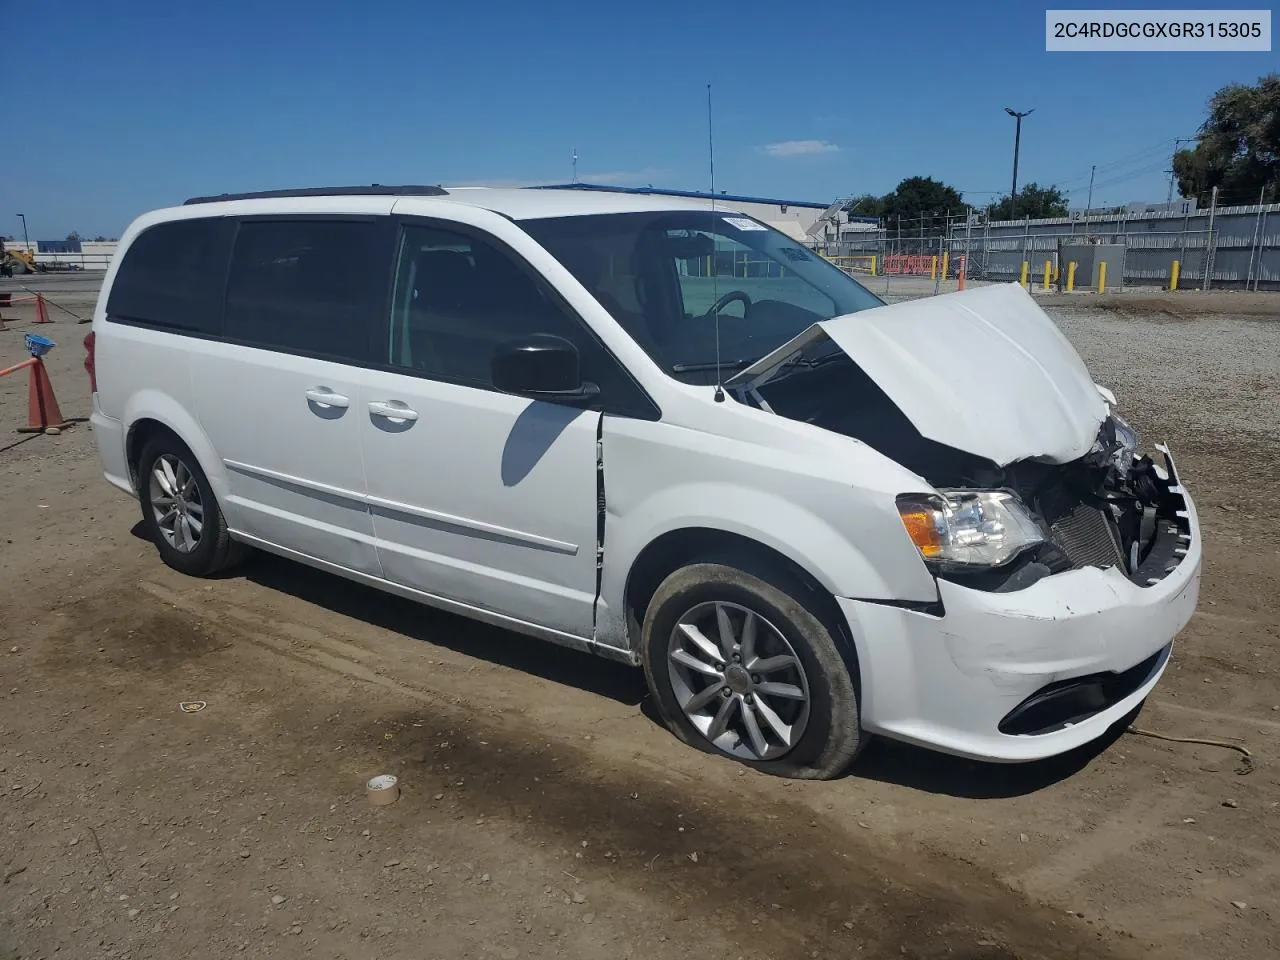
x=1257 y=222
x=1176 y=141
x=1182 y=241
x=937 y=278
x=986 y=247
x=1017 y=142
x=1089 y=204
x=968 y=239
x=1262 y=249
x=25 y=241
x=1211 y=242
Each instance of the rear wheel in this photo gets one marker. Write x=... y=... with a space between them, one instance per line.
x=180 y=511
x=742 y=668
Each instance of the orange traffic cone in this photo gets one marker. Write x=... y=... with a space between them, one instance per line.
x=42 y=406
x=42 y=312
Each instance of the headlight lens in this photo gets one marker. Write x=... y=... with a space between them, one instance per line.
x=979 y=528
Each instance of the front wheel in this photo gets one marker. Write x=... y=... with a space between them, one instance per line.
x=742 y=668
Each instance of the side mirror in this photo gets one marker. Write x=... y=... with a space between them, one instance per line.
x=542 y=366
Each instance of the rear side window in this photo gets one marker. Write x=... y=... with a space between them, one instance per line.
x=171 y=276
x=314 y=287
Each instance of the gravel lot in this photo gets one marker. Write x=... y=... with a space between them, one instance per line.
x=545 y=813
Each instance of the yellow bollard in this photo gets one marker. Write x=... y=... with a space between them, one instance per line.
x=873 y=265
x=946 y=262
x=1173 y=275
x=1071 y=276
x=933 y=269
x=1023 y=279
x=1048 y=267
x=1102 y=277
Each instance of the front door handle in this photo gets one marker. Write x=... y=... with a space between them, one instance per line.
x=392 y=410
x=327 y=398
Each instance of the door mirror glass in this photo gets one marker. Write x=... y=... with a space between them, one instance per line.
x=541 y=365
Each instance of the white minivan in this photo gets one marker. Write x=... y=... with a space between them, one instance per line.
x=659 y=432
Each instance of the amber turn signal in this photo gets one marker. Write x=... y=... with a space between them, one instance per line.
x=925 y=526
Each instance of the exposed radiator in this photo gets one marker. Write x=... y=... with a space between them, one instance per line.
x=1088 y=537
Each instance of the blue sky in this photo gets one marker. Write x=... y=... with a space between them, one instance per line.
x=141 y=104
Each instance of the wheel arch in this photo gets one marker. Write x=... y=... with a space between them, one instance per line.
x=687 y=545
x=150 y=414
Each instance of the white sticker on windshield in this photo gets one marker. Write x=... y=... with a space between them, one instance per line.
x=742 y=223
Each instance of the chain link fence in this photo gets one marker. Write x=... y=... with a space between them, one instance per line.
x=1228 y=247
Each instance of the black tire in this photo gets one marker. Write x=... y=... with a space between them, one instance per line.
x=215 y=551
x=832 y=736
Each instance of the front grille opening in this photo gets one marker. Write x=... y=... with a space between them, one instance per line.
x=1088 y=536
x=1067 y=702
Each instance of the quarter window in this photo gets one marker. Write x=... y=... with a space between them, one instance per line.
x=171 y=276
x=307 y=286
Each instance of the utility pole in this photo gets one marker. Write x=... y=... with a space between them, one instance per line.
x=1089 y=206
x=1176 y=141
x=1017 y=141
x=25 y=242
x=575 y=165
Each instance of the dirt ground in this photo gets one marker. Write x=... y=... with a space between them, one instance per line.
x=544 y=812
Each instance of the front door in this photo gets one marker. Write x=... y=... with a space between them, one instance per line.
x=280 y=395
x=477 y=496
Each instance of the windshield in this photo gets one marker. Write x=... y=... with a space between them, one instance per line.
x=665 y=276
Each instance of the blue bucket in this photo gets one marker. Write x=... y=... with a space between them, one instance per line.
x=38 y=346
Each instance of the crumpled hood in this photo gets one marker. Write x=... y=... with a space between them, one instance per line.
x=984 y=370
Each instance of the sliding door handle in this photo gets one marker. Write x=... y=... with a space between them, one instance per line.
x=392 y=410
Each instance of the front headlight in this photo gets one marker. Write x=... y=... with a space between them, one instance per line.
x=980 y=528
x=1126 y=442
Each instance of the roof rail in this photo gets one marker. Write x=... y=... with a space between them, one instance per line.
x=372 y=190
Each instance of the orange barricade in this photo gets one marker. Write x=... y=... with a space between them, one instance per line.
x=902 y=263
x=43 y=414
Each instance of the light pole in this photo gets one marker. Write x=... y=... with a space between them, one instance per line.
x=1017 y=141
x=25 y=242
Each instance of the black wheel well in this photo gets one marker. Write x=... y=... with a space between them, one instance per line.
x=679 y=548
x=141 y=432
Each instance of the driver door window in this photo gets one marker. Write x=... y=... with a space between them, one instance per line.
x=457 y=299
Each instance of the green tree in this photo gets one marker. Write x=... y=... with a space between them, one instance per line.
x=1237 y=147
x=919 y=205
x=865 y=205
x=1033 y=201
x=73 y=236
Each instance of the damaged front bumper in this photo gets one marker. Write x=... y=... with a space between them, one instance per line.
x=1028 y=674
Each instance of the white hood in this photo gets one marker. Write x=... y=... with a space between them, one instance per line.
x=984 y=370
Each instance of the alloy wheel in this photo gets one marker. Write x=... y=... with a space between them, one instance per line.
x=738 y=681
x=176 y=503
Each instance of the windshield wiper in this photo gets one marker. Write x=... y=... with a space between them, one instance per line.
x=712 y=365
x=808 y=363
